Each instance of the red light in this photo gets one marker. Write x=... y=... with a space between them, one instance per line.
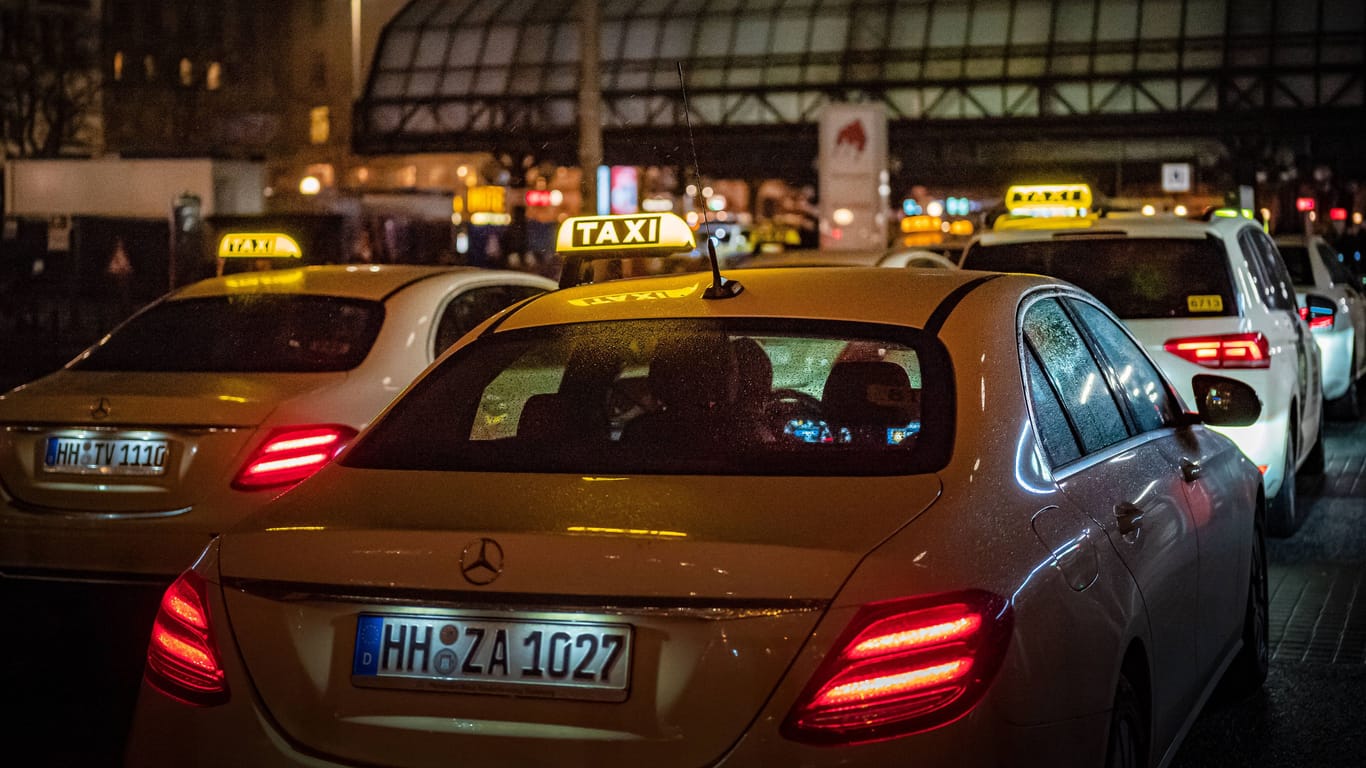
x=292 y=454
x=538 y=198
x=182 y=659
x=1236 y=350
x=1337 y=214
x=904 y=666
x=1317 y=321
x=1303 y=204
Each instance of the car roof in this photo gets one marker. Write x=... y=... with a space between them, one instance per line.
x=858 y=294
x=358 y=281
x=1121 y=226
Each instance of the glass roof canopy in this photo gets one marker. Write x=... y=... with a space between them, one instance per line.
x=477 y=74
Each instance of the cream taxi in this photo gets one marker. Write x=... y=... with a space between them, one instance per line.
x=844 y=516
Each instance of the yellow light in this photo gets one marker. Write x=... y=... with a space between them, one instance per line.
x=258 y=245
x=309 y=185
x=1180 y=210
x=1149 y=210
x=843 y=217
x=648 y=532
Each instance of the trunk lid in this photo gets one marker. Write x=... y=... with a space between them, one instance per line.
x=716 y=581
x=124 y=443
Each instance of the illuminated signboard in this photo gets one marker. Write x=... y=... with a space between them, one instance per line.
x=487 y=199
x=258 y=245
x=643 y=231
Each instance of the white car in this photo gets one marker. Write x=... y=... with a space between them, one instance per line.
x=840 y=517
x=1341 y=335
x=120 y=466
x=1202 y=296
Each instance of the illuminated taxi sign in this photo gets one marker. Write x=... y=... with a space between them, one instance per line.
x=636 y=231
x=620 y=298
x=1049 y=199
x=258 y=245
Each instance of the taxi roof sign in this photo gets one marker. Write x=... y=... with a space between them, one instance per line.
x=1049 y=199
x=663 y=232
x=258 y=245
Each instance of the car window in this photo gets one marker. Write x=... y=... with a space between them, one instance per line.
x=1337 y=270
x=1075 y=375
x=1296 y=259
x=1055 y=433
x=1135 y=376
x=261 y=333
x=1279 y=289
x=1135 y=277
x=472 y=307
x=677 y=397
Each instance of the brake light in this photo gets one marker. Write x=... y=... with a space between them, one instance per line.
x=292 y=454
x=902 y=667
x=1316 y=320
x=1234 y=350
x=182 y=658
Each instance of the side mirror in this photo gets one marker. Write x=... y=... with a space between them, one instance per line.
x=1225 y=402
x=1318 y=311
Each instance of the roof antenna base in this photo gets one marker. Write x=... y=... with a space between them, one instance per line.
x=726 y=289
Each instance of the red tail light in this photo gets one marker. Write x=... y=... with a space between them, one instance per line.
x=1316 y=321
x=182 y=659
x=1234 y=350
x=904 y=666
x=292 y=454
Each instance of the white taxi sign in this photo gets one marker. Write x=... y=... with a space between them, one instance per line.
x=1033 y=198
x=258 y=245
x=634 y=231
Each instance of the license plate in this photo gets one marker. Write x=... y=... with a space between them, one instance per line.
x=556 y=659
x=105 y=456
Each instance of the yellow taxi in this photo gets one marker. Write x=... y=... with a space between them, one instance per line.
x=119 y=467
x=825 y=517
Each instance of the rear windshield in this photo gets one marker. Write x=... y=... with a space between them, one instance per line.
x=1296 y=258
x=243 y=334
x=1136 y=277
x=677 y=397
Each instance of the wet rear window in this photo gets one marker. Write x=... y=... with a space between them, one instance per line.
x=243 y=334
x=1137 y=278
x=677 y=397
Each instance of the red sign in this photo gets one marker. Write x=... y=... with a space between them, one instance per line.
x=1303 y=204
x=538 y=198
x=1337 y=214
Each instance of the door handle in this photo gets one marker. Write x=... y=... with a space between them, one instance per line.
x=1191 y=470
x=1129 y=516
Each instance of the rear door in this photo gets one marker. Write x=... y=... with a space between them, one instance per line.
x=1125 y=481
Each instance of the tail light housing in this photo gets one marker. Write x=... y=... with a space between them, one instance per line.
x=182 y=658
x=902 y=667
x=1232 y=350
x=291 y=454
x=1316 y=320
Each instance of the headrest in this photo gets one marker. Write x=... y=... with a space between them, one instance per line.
x=693 y=372
x=869 y=393
x=754 y=369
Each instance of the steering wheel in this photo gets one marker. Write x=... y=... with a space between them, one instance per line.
x=786 y=405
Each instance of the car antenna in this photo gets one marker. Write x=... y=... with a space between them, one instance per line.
x=721 y=288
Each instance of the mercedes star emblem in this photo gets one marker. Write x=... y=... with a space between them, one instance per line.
x=482 y=561
x=100 y=409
